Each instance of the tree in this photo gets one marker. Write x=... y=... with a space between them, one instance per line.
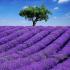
x=35 y=13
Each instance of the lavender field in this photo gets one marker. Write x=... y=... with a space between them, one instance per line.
x=34 y=48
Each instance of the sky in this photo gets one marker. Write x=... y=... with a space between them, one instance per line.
x=9 y=12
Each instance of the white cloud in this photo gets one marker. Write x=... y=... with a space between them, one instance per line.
x=54 y=17
x=63 y=1
x=25 y=7
x=54 y=0
x=67 y=15
x=56 y=8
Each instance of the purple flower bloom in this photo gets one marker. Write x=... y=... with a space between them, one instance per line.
x=34 y=48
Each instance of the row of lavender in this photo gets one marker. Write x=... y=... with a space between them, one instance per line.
x=32 y=48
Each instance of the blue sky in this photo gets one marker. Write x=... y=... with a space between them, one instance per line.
x=9 y=10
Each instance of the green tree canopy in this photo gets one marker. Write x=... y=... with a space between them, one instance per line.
x=35 y=13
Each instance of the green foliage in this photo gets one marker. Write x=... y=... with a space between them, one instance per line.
x=35 y=13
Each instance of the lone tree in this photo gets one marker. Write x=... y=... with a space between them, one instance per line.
x=35 y=14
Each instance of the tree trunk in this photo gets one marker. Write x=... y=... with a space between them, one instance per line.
x=34 y=23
